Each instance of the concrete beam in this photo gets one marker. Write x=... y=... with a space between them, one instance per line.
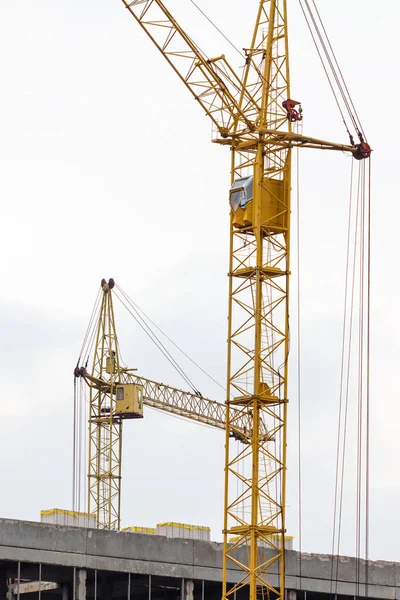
x=31 y=587
x=60 y=549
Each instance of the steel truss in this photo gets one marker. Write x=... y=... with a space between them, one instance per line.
x=249 y=117
x=105 y=429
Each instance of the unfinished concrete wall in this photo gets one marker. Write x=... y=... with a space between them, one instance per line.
x=57 y=547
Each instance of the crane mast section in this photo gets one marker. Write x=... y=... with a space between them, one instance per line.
x=265 y=68
x=105 y=432
x=258 y=320
x=212 y=82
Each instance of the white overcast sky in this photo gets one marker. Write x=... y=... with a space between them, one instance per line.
x=107 y=171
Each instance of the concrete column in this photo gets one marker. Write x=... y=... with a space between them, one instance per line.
x=291 y=595
x=189 y=589
x=64 y=591
x=81 y=584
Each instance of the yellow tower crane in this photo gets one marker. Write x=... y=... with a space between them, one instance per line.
x=117 y=394
x=253 y=116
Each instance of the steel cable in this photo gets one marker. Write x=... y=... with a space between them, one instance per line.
x=325 y=69
x=300 y=515
x=74 y=451
x=357 y=285
x=217 y=28
x=364 y=380
x=89 y=327
x=367 y=391
x=168 y=338
x=332 y=67
x=339 y=436
x=361 y=317
x=147 y=330
x=325 y=47
x=344 y=392
x=338 y=67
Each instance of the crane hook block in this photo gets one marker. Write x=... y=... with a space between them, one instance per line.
x=362 y=150
x=293 y=114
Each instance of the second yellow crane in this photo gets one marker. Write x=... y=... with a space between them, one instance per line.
x=117 y=393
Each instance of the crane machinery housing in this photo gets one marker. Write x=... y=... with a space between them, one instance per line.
x=257 y=119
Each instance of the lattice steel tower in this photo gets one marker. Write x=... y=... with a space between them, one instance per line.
x=253 y=116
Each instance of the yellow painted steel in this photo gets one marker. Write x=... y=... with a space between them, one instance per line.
x=258 y=342
x=116 y=394
x=136 y=529
x=248 y=116
x=184 y=526
x=105 y=427
x=60 y=511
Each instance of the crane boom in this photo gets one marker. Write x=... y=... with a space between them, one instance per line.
x=177 y=402
x=191 y=406
x=212 y=82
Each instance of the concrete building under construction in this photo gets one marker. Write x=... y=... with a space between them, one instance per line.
x=40 y=560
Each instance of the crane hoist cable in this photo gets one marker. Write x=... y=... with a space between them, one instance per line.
x=368 y=389
x=343 y=393
x=338 y=69
x=158 y=343
x=334 y=75
x=356 y=349
x=85 y=348
x=140 y=317
x=79 y=443
x=363 y=373
x=201 y=11
x=79 y=422
x=134 y=304
x=298 y=129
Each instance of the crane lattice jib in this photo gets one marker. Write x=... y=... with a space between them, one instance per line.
x=252 y=121
x=177 y=402
x=213 y=83
x=192 y=406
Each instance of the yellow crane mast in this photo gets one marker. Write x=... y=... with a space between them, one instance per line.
x=116 y=394
x=253 y=117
